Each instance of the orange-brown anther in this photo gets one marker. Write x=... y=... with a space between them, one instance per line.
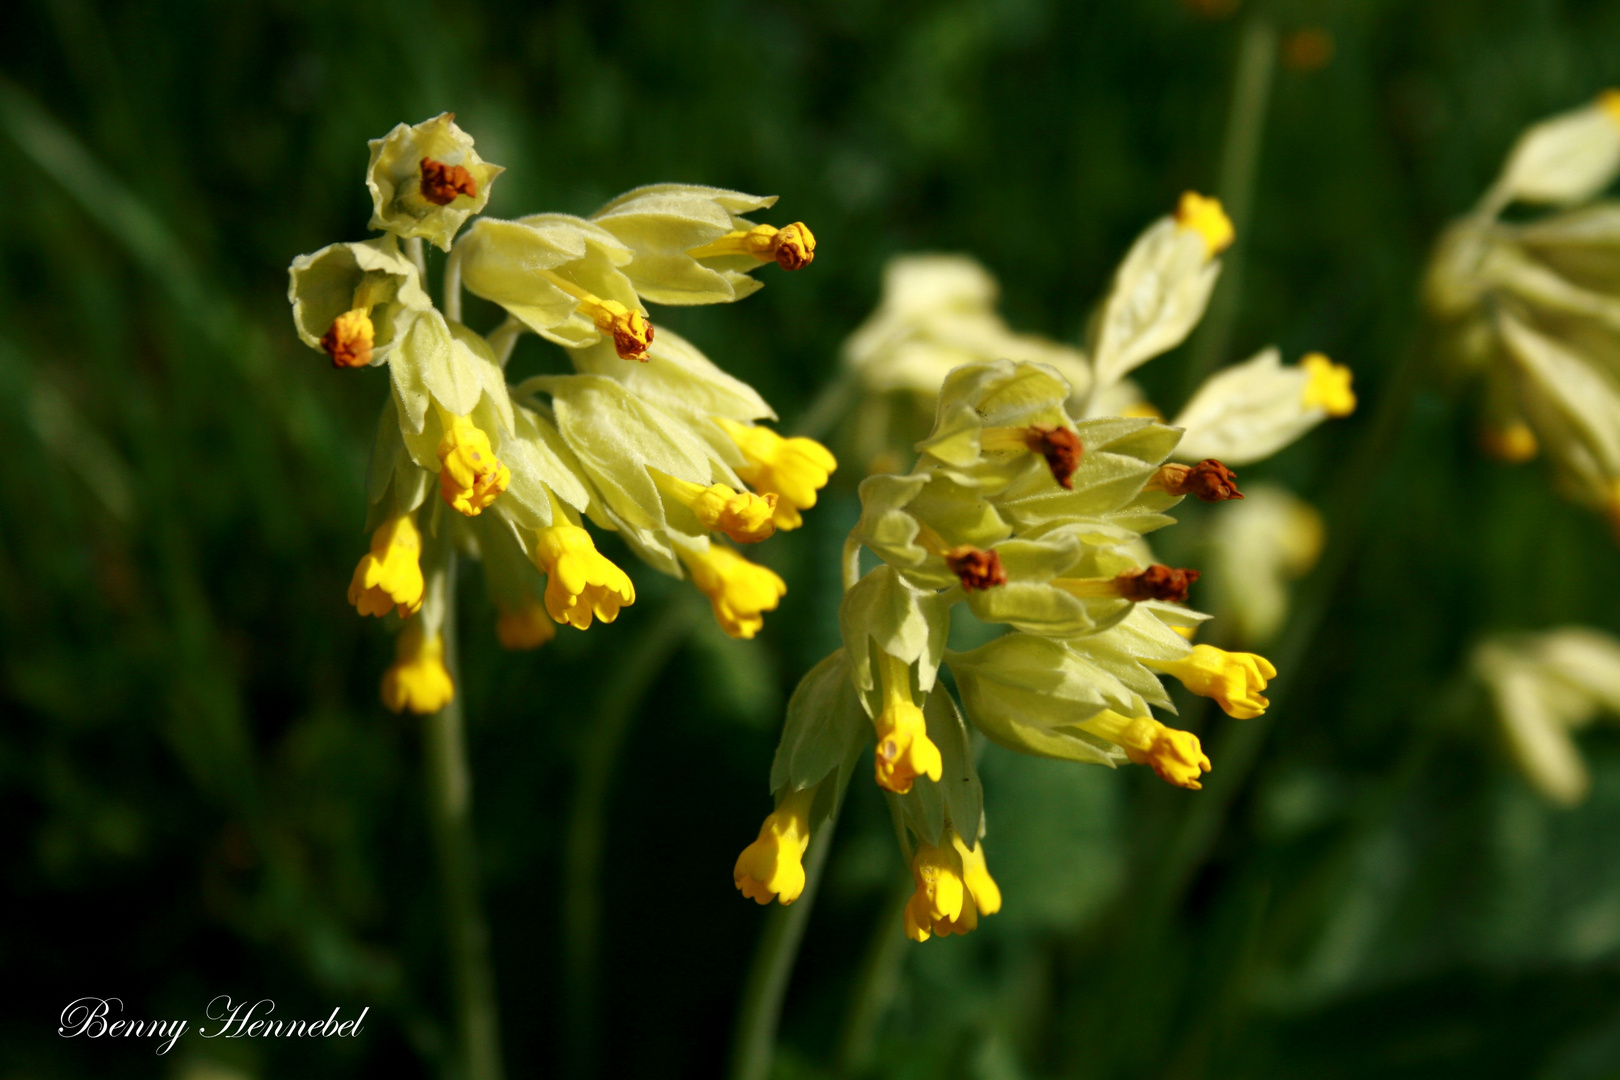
x=795 y=247
x=349 y=339
x=1157 y=582
x=1060 y=447
x=1209 y=480
x=632 y=335
x=441 y=183
x=976 y=568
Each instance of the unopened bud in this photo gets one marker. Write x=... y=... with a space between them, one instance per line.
x=1157 y=582
x=1060 y=447
x=1209 y=480
x=441 y=183
x=348 y=341
x=976 y=568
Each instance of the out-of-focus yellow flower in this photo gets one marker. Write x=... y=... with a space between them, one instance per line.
x=772 y=867
x=791 y=469
x=1513 y=443
x=1327 y=386
x=527 y=627
x=418 y=681
x=389 y=576
x=1206 y=217
x=580 y=581
x=739 y=591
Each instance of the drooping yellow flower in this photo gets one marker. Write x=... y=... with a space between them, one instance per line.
x=1327 y=386
x=792 y=247
x=418 y=681
x=1175 y=755
x=773 y=865
x=471 y=476
x=1233 y=679
x=904 y=750
x=527 y=627
x=741 y=515
x=580 y=581
x=1206 y=217
x=954 y=888
x=631 y=331
x=389 y=576
x=791 y=469
x=739 y=591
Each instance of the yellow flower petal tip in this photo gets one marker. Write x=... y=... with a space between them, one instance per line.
x=1512 y=444
x=580 y=581
x=528 y=627
x=953 y=888
x=418 y=680
x=904 y=750
x=793 y=470
x=743 y=516
x=792 y=247
x=1206 y=217
x=740 y=592
x=350 y=339
x=1175 y=756
x=389 y=576
x=772 y=867
x=471 y=476
x=1327 y=386
x=1233 y=679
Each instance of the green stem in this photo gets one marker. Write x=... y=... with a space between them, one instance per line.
x=829 y=405
x=452 y=284
x=1240 y=160
x=875 y=986
x=587 y=829
x=766 y=988
x=449 y=788
x=418 y=256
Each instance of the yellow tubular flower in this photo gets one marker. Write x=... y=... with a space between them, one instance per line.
x=904 y=750
x=793 y=247
x=471 y=476
x=580 y=581
x=1609 y=101
x=941 y=894
x=1175 y=755
x=632 y=334
x=350 y=339
x=528 y=627
x=389 y=576
x=743 y=516
x=1327 y=386
x=418 y=681
x=1208 y=219
x=1513 y=443
x=773 y=865
x=1233 y=679
x=791 y=469
x=739 y=591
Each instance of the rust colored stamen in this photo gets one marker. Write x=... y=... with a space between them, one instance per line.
x=1060 y=447
x=1209 y=480
x=1157 y=582
x=795 y=247
x=441 y=183
x=976 y=568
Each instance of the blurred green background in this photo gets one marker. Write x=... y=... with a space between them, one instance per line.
x=202 y=795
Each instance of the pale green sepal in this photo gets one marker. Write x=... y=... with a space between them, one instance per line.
x=998 y=394
x=1041 y=609
x=886 y=611
x=1040 y=559
x=1247 y=412
x=1120 y=456
x=504 y=547
x=1577 y=405
x=957 y=798
x=825 y=729
x=322 y=285
x=394 y=178
x=1159 y=294
x=395 y=484
x=475 y=354
x=1564 y=159
x=677 y=376
x=959 y=514
x=1141 y=635
x=662 y=222
x=424 y=365
x=539 y=460
x=955 y=438
x=885 y=526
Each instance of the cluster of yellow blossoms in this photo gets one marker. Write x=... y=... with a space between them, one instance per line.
x=1027 y=507
x=646 y=437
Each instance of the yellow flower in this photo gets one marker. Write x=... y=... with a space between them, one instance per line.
x=1327 y=386
x=743 y=516
x=954 y=888
x=580 y=581
x=527 y=627
x=390 y=574
x=350 y=339
x=1175 y=755
x=793 y=247
x=418 y=681
x=1233 y=679
x=1512 y=443
x=739 y=591
x=791 y=469
x=471 y=476
x=773 y=865
x=904 y=750
x=1208 y=219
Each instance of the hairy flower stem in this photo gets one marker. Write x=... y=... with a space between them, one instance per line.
x=477 y=1054
x=586 y=830
x=1240 y=160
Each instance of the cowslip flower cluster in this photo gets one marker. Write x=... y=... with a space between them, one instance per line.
x=1018 y=516
x=1546 y=686
x=1531 y=307
x=646 y=437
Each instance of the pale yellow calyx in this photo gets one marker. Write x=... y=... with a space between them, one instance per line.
x=632 y=334
x=739 y=591
x=1327 y=386
x=1175 y=755
x=1609 y=102
x=741 y=515
x=772 y=867
x=418 y=681
x=792 y=247
x=1514 y=443
x=1207 y=218
x=389 y=576
x=1232 y=679
x=791 y=469
x=470 y=475
x=580 y=581
x=904 y=750
x=526 y=627
x=350 y=339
